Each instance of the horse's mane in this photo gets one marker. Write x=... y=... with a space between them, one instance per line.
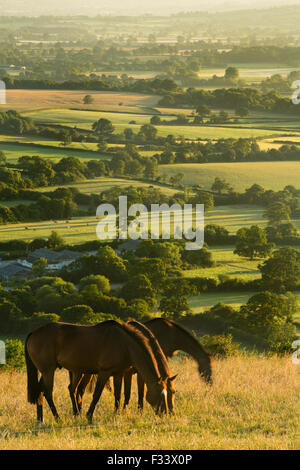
x=182 y=329
x=159 y=354
x=139 y=338
x=108 y=322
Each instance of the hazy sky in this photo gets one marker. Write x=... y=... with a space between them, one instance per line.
x=93 y=7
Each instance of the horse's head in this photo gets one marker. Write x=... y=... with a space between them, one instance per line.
x=157 y=396
x=205 y=368
x=171 y=392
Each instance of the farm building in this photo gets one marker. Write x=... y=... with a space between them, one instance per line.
x=60 y=258
x=14 y=269
x=130 y=245
x=21 y=269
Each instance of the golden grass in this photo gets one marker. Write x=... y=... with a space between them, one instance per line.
x=23 y=100
x=253 y=404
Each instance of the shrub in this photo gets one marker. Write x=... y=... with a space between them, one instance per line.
x=138 y=309
x=14 y=354
x=77 y=314
x=224 y=311
x=101 y=317
x=100 y=281
x=220 y=345
x=40 y=319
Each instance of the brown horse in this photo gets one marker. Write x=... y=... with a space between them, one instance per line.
x=163 y=367
x=106 y=349
x=172 y=338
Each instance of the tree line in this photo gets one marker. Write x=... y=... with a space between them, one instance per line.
x=82 y=292
x=231 y=98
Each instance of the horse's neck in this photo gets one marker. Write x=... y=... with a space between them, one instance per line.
x=144 y=362
x=184 y=342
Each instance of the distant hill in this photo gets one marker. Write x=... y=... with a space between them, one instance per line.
x=95 y=7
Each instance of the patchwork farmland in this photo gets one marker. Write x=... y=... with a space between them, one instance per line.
x=175 y=108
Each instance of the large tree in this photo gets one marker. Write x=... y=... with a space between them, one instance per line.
x=103 y=127
x=252 y=243
x=232 y=73
x=268 y=309
x=277 y=212
x=148 y=131
x=55 y=240
x=88 y=99
x=220 y=185
x=281 y=272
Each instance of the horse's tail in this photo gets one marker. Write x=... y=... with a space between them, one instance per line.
x=33 y=386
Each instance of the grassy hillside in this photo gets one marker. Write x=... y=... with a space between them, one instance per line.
x=253 y=404
x=80 y=229
x=96 y=185
x=24 y=100
x=84 y=119
x=270 y=175
x=50 y=150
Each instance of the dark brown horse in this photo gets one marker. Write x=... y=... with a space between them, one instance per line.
x=163 y=367
x=107 y=349
x=172 y=338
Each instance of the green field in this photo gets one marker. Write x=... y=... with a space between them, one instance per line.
x=85 y=119
x=270 y=175
x=228 y=263
x=76 y=230
x=236 y=216
x=121 y=121
x=200 y=303
x=13 y=151
x=15 y=146
x=251 y=73
x=97 y=185
x=80 y=229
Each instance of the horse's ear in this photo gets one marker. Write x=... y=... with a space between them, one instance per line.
x=172 y=378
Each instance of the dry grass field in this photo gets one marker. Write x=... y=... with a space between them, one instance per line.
x=23 y=100
x=253 y=404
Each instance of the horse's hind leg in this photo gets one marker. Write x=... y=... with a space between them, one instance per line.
x=39 y=403
x=48 y=380
x=75 y=378
x=127 y=387
x=101 y=381
x=85 y=381
x=117 y=389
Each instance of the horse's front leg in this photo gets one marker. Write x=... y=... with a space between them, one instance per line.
x=101 y=381
x=141 y=390
x=127 y=387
